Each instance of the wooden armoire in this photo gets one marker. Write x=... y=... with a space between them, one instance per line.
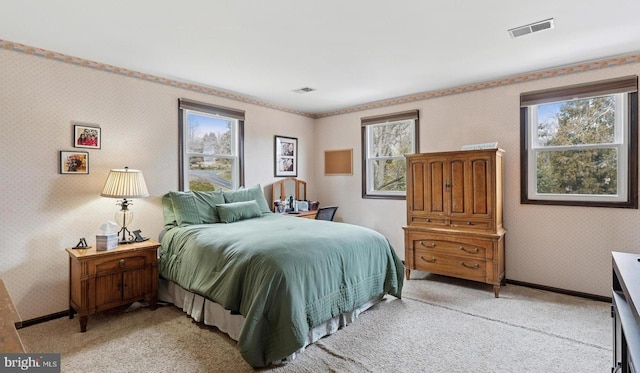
x=454 y=215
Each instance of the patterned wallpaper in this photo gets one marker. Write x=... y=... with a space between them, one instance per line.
x=556 y=246
x=44 y=212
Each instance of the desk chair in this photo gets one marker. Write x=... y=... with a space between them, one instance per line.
x=326 y=213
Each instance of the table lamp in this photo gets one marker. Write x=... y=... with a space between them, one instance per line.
x=125 y=183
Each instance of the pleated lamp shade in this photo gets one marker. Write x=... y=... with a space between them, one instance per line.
x=125 y=183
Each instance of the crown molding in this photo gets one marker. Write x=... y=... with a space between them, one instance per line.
x=516 y=79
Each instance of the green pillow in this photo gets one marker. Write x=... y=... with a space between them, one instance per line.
x=206 y=203
x=249 y=194
x=236 y=211
x=167 y=212
x=185 y=208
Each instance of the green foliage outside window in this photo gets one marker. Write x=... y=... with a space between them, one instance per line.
x=390 y=142
x=580 y=170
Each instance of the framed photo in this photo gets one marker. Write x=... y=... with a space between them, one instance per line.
x=286 y=156
x=86 y=136
x=72 y=162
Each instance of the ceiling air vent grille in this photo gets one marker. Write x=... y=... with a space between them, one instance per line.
x=304 y=90
x=547 y=24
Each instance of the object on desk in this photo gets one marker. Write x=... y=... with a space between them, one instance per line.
x=291 y=208
x=303 y=205
x=82 y=244
x=313 y=205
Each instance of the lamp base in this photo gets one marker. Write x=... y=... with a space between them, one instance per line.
x=127 y=237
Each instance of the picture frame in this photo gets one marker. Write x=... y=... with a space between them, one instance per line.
x=74 y=162
x=285 y=156
x=87 y=135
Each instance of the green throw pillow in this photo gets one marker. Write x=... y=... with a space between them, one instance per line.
x=236 y=211
x=185 y=208
x=167 y=212
x=248 y=194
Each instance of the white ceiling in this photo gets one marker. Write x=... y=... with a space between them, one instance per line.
x=352 y=51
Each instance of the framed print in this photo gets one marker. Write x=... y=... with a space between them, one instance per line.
x=86 y=136
x=72 y=162
x=286 y=156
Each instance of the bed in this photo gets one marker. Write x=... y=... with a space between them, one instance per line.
x=274 y=283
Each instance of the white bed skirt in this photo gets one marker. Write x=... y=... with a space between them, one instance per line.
x=211 y=313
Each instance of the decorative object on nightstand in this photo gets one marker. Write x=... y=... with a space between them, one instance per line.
x=125 y=183
x=100 y=280
x=108 y=240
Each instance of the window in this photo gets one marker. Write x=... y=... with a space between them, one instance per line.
x=579 y=145
x=211 y=146
x=385 y=141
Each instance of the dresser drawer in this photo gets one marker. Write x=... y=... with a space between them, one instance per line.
x=424 y=221
x=482 y=224
x=451 y=245
x=467 y=268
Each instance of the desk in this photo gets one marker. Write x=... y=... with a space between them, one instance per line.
x=9 y=319
x=303 y=214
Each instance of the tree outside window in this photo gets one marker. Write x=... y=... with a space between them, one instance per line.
x=581 y=151
x=211 y=147
x=385 y=141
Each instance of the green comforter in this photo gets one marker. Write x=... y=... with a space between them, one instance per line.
x=285 y=275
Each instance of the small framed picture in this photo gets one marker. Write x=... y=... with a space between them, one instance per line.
x=286 y=156
x=86 y=136
x=72 y=162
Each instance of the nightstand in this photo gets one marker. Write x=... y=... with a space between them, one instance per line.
x=100 y=280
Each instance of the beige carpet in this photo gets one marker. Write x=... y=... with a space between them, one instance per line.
x=440 y=325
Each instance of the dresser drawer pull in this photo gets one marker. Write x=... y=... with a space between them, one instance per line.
x=428 y=220
x=475 y=266
x=121 y=263
x=432 y=245
x=474 y=251
x=469 y=223
x=432 y=260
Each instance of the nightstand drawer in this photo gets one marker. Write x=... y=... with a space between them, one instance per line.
x=120 y=264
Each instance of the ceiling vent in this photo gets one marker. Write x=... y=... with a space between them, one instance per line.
x=304 y=90
x=547 y=24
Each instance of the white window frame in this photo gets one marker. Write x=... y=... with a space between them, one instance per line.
x=236 y=118
x=620 y=144
x=625 y=90
x=368 y=125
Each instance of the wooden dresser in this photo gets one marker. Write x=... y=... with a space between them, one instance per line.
x=454 y=215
